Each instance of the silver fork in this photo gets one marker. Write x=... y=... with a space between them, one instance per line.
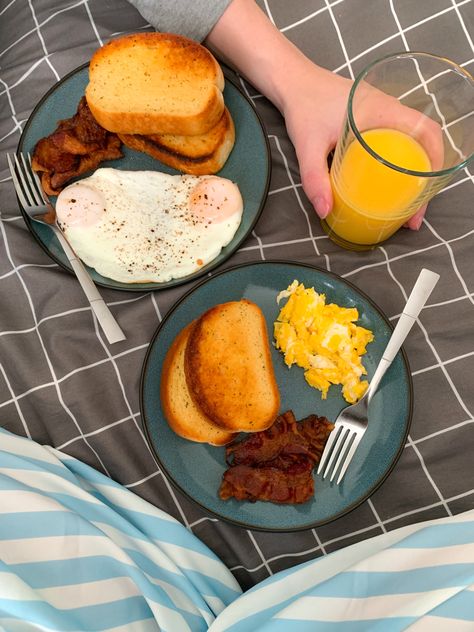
x=30 y=194
x=352 y=421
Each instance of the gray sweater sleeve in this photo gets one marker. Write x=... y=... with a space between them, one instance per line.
x=192 y=18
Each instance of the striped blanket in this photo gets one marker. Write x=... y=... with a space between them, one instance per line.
x=78 y=552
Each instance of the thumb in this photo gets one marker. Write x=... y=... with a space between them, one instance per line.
x=315 y=179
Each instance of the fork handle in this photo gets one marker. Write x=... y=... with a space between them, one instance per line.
x=106 y=320
x=416 y=301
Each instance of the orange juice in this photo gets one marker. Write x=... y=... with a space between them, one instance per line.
x=371 y=200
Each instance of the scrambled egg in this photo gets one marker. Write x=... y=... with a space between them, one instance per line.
x=323 y=340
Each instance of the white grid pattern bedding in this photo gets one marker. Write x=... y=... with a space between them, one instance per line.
x=61 y=384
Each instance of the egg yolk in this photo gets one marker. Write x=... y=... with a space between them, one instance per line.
x=214 y=199
x=80 y=205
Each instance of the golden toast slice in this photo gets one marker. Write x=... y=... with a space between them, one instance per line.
x=155 y=83
x=200 y=154
x=183 y=416
x=229 y=369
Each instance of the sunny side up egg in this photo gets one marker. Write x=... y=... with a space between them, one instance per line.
x=148 y=226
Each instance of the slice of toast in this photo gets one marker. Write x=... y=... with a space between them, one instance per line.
x=183 y=416
x=229 y=370
x=198 y=155
x=155 y=83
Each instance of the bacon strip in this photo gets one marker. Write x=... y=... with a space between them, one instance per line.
x=290 y=485
x=79 y=144
x=276 y=464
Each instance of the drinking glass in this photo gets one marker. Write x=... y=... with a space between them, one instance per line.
x=409 y=129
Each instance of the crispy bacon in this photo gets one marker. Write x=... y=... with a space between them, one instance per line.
x=79 y=144
x=263 y=446
x=293 y=484
x=276 y=464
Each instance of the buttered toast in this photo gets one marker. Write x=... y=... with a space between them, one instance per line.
x=229 y=370
x=155 y=83
x=183 y=416
x=198 y=155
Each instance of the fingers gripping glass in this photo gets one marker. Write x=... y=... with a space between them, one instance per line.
x=409 y=129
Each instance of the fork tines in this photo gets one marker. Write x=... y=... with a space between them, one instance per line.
x=338 y=452
x=26 y=181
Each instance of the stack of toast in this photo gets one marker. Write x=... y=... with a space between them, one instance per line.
x=218 y=377
x=163 y=94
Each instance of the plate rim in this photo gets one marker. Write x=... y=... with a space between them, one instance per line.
x=212 y=265
x=245 y=525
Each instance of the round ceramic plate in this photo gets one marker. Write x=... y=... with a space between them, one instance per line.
x=248 y=166
x=197 y=469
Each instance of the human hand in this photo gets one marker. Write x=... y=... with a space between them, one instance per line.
x=314 y=116
x=314 y=122
x=313 y=100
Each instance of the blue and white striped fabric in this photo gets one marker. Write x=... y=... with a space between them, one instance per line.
x=419 y=577
x=80 y=553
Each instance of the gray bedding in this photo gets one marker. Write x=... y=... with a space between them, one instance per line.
x=61 y=384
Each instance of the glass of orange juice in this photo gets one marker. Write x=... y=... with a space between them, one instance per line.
x=409 y=129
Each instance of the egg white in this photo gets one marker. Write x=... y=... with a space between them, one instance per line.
x=148 y=226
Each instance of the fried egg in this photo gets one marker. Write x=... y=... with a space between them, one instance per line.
x=323 y=339
x=148 y=226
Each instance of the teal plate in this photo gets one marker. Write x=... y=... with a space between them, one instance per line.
x=248 y=166
x=196 y=469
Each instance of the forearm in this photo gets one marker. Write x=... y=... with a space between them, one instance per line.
x=311 y=99
x=245 y=38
